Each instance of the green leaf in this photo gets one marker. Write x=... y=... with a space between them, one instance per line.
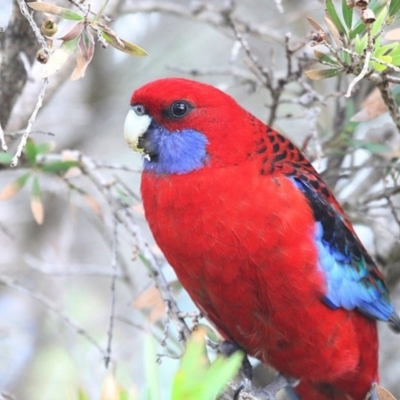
x=380 y=19
x=376 y=148
x=395 y=54
x=36 y=202
x=82 y=395
x=56 y=167
x=394 y=7
x=324 y=58
x=196 y=378
x=380 y=67
x=347 y=14
x=385 y=50
x=14 y=187
x=64 y=13
x=5 y=158
x=31 y=152
x=376 y=6
x=357 y=30
x=44 y=148
x=332 y=14
x=360 y=44
x=318 y=74
x=221 y=371
x=125 y=46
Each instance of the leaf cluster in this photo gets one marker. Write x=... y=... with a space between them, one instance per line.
x=350 y=35
x=33 y=155
x=81 y=37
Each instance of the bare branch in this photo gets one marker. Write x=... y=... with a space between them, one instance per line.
x=3 y=143
x=124 y=216
x=114 y=266
x=40 y=38
x=13 y=283
x=365 y=68
x=22 y=143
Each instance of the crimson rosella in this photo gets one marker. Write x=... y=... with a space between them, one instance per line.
x=257 y=239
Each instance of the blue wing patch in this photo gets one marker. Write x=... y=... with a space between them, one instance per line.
x=353 y=280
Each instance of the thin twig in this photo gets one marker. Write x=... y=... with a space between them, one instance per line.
x=40 y=38
x=3 y=143
x=361 y=75
x=365 y=68
x=124 y=217
x=114 y=266
x=13 y=283
x=24 y=138
x=390 y=101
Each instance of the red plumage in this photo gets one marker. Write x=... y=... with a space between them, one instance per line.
x=240 y=237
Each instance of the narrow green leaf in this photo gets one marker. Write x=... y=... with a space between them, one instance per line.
x=36 y=201
x=82 y=395
x=62 y=12
x=31 y=152
x=189 y=380
x=197 y=379
x=376 y=6
x=385 y=50
x=221 y=371
x=357 y=30
x=376 y=148
x=332 y=14
x=394 y=7
x=380 y=19
x=380 y=67
x=5 y=158
x=44 y=148
x=347 y=14
x=56 y=167
x=126 y=47
x=318 y=74
x=360 y=44
x=324 y=58
x=396 y=51
x=14 y=187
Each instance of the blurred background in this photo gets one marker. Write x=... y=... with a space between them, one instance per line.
x=56 y=278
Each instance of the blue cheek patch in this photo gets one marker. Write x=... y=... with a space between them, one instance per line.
x=177 y=152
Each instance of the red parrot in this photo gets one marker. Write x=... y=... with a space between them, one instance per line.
x=257 y=239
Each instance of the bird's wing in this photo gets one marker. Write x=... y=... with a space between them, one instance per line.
x=353 y=280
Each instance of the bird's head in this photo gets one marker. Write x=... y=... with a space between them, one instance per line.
x=182 y=125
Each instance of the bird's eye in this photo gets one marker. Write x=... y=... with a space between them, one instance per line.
x=179 y=109
x=139 y=109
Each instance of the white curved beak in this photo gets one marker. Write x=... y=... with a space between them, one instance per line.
x=135 y=126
